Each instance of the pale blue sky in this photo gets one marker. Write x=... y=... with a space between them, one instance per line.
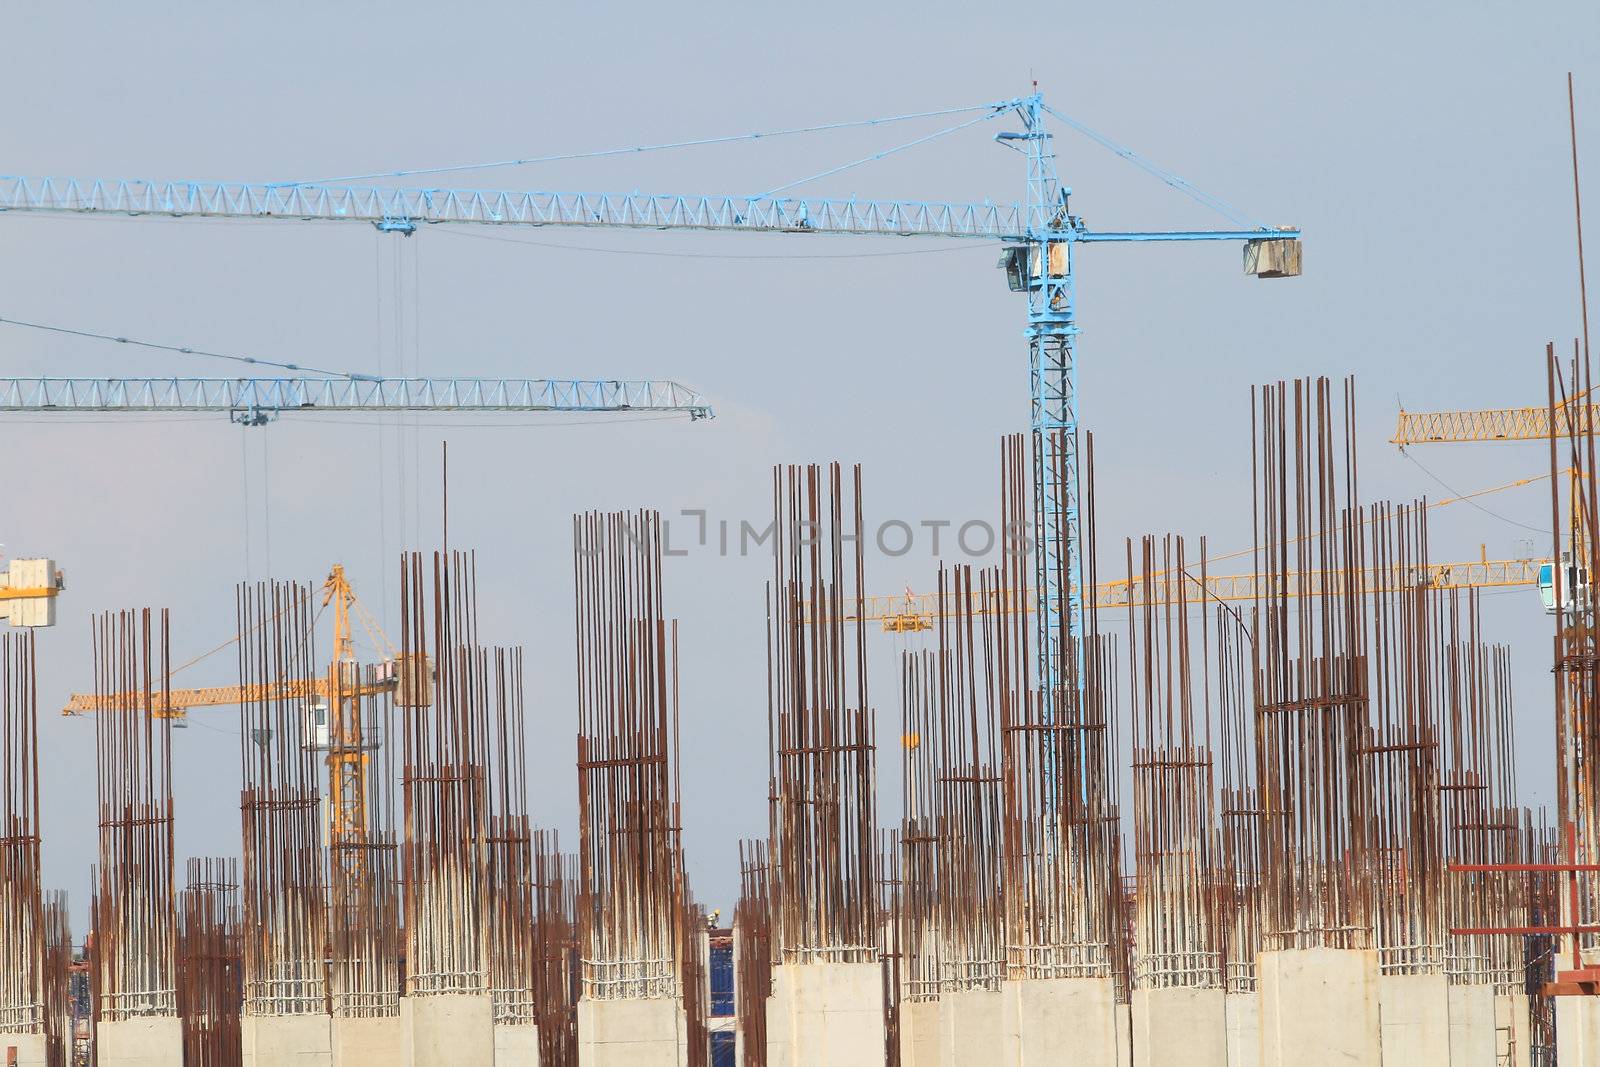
x=1422 y=147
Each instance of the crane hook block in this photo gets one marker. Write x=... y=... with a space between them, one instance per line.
x=1272 y=257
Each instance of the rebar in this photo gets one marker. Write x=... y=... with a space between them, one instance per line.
x=58 y=965
x=134 y=923
x=1311 y=695
x=752 y=925
x=445 y=753
x=210 y=963
x=23 y=986
x=283 y=885
x=952 y=804
x=514 y=964
x=820 y=724
x=555 y=932
x=1063 y=912
x=630 y=907
x=1399 y=748
x=1482 y=825
x=364 y=897
x=1179 y=934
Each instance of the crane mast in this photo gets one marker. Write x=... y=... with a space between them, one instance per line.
x=1041 y=235
x=1053 y=374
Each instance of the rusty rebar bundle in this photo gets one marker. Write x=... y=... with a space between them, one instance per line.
x=918 y=902
x=1311 y=694
x=1399 y=747
x=283 y=887
x=1179 y=931
x=1542 y=843
x=444 y=784
x=58 y=1007
x=821 y=724
x=555 y=941
x=1239 y=813
x=364 y=902
x=514 y=964
x=630 y=907
x=693 y=980
x=1482 y=824
x=23 y=987
x=752 y=926
x=210 y=963
x=952 y=784
x=1061 y=837
x=889 y=941
x=134 y=924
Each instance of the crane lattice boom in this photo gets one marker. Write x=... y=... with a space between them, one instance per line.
x=254 y=401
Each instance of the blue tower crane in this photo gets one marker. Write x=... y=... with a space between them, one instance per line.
x=1041 y=235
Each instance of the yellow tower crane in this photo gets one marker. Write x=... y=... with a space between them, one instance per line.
x=1519 y=424
x=334 y=700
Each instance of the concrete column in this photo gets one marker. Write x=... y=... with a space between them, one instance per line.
x=969 y=1024
x=826 y=1013
x=153 y=1041
x=1472 y=1033
x=1414 y=1011
x=780 y=1020
x=1319 y=1008
x=1051 y=1021
x=516 y=1045
x=23 y=1050
x=632 y=1033
x=1578 y=1031
x=357 y=1042
x=919 y=1033
x=1124 y=1035
x=454 y=1030
x=286 y=1040
x=1513 y=1030
x=1242 y=1012
x=1187 y=1026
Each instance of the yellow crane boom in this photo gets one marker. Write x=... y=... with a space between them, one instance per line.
x=914 y=612
x=1494 y=424
x=179 y=701
x=342 y=689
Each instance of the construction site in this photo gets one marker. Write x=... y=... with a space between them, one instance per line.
x=1089 y=794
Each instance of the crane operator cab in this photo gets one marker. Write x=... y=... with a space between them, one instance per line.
x=1574 y=586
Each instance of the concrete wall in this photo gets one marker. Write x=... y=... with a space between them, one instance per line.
x=1187 y=1026
x=1319 y=1006
x=447 y=1031
x=1472 y=1033
x=632 y=1033
x=1242 y=1012
x=1052 y=1021
x=150 y=1042
x=969 y=1028
x=919 y=1033
x=1124 y=1035
x=357 y=1042
x=1578 y=1031
x=1513 y=1030
x=24 y=1050
x=1414 y=1013
x=286 y=1040
x=826 y=1013
x=516 y=1046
